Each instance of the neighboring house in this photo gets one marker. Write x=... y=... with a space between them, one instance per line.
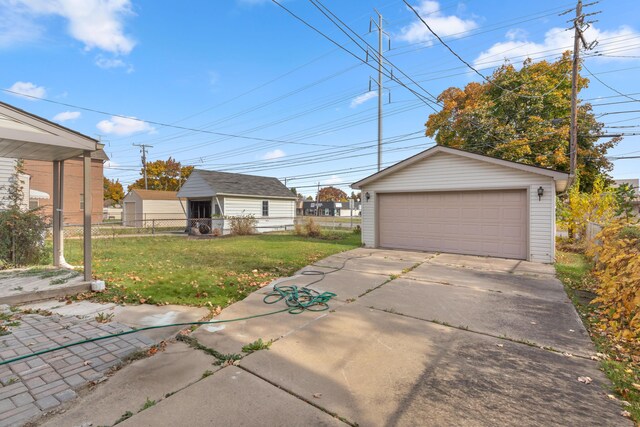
x=143 y=208
x=41 y=173
x=312 y=208
x=212 y=194
x=635 y=184
x=450 y=200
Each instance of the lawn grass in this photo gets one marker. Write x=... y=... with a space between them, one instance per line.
x=212 y=272
x=622 y=369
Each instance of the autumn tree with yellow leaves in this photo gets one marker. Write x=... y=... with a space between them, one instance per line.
x=523 y=115
x=167 y=175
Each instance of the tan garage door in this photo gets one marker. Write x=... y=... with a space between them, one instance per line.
x=491 y=223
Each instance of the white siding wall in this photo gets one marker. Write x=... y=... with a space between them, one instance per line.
x=445 y=171
x=281 y=211
x=195 y=187
x=7 y=169
x=163 y=209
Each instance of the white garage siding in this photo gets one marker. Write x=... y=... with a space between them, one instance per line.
x=164 y=210
x=444 y=171
x=281 y=211
x=143 y=212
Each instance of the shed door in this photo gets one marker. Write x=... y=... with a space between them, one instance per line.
x=486 y=223
x=129 y=213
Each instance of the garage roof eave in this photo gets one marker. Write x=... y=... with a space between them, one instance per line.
x=558 y=176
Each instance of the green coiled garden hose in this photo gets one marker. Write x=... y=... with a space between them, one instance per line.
x=297 y=300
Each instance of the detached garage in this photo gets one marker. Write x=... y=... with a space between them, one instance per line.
x=450 y=200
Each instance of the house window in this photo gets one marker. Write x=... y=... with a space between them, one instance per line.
x=34 y=204
x=265 y=208
x=81 y=201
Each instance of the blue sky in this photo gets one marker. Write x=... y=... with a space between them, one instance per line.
x=300 y=105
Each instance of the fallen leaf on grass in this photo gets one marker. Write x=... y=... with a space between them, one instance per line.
x=585 y=380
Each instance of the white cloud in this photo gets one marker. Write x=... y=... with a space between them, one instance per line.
x=361 y=99
x=124 y=126
x=275 y=154
x=443 y=25
x=96 y=23
x=16 y=28
x=335 y=179
x=27 y=90
x=66 y=115
x=108 y=63
x=556 y=40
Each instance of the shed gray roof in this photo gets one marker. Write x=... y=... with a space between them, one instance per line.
x=249 y=185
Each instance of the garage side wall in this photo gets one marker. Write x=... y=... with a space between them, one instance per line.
x=163 y=210
x=443 y=172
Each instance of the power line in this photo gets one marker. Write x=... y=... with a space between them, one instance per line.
x=608 y=86
x=420 y=96
x=159 y=123
x=485 y=78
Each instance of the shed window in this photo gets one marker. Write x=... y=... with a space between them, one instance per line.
x=265 y=208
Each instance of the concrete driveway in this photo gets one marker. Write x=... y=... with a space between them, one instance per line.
x=411 y=339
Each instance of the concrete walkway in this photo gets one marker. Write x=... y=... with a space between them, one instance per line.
x=36 y=385
x=23 y=285
x=411 y=339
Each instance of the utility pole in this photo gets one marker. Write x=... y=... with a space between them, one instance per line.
x=573 y=132
x=380 y=60
x=578 y=37
x=379 y=90
x=143 y=152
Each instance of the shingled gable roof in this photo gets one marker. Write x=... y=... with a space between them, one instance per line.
x=224 y=183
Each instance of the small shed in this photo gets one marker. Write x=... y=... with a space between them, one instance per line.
x=152 y=208
x=220 y=195
x=450 y=200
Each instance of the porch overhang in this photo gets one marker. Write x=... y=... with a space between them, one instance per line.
x=26 y=136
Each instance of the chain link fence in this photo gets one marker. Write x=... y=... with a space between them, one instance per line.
x=117 y=228
x=332 y=222
x=178 y=226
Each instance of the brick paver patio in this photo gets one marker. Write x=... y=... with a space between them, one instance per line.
x=38 y=384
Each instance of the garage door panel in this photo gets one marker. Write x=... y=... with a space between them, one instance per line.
x=492 y=223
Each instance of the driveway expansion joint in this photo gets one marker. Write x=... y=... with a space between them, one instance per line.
x=297 y=396
x=500 y=337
